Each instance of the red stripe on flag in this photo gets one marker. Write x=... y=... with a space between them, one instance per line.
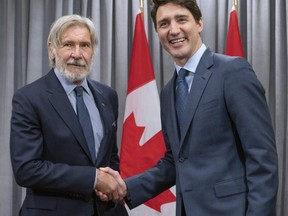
x=233 y=43
x=141 y=69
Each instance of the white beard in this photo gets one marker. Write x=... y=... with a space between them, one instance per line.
x=73 y=77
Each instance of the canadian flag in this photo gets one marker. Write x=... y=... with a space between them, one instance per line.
x=142 y=141
x=233 y=43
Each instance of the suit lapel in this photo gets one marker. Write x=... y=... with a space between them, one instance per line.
x=59 y=100
x=106 y=118
x=200 y=81
x=171 y=110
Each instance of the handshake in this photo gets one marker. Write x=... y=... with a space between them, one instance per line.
x=110 y=185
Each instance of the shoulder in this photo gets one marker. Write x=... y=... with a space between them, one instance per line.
x=210 y=58
x=38 y=85
x=227 y=66
x=32 y=89
x=233 y=62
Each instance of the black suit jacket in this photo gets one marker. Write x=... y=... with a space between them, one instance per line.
x=49 y=153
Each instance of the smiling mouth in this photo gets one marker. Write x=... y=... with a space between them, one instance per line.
x=179 y=40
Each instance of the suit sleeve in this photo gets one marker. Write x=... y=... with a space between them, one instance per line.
x=248 y=109
x=152 y=182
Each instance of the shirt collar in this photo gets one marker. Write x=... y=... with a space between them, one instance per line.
x=193 y=61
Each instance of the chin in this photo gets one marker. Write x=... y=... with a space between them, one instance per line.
x=76 y=76
x=182 y=53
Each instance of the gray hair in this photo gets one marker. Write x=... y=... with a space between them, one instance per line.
x=64 y=22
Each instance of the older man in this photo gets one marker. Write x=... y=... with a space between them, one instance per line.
x=63 y=127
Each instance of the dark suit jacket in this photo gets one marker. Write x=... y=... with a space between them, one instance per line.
x=226 y=162
x=49 y=153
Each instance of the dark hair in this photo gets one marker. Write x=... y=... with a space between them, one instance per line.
x=191 y=5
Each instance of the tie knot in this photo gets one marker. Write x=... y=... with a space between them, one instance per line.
x=182 y=73
x=79 y=91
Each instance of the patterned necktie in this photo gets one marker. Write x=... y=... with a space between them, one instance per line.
x=85 y=121
x=181 y=96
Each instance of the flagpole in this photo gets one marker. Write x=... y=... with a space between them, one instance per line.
x=236 y=5
x=142 y=7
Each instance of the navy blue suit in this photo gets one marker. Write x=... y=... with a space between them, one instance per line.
x=49 y=153
x=226 y=162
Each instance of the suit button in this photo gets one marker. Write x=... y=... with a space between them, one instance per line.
x=181 y=159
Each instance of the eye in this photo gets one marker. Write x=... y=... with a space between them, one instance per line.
x=163 y=24
x=85 y=45
x=67 y=44
x=182 y=19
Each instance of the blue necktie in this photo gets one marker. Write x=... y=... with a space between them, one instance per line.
x=85 y=121
x=181 y=96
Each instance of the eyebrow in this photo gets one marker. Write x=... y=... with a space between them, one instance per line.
x=181 y=16
x=71 y=41
x=177 y=16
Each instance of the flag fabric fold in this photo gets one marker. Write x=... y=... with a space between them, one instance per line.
x=234 y=43
x=142 y=141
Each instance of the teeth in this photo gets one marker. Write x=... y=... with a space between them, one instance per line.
x=177 y=40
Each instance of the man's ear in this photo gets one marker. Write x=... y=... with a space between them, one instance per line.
x=51 y=51
x=200 y=25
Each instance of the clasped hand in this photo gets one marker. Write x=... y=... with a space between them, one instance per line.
x=110 y=185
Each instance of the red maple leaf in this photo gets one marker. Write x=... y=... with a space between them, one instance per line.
x=136 y=159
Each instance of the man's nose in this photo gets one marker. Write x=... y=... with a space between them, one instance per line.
x=174 y=28
x=76 y=53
